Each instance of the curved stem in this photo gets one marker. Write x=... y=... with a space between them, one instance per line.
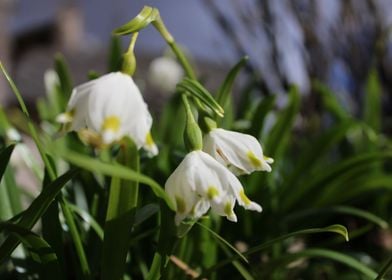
x=160 y=26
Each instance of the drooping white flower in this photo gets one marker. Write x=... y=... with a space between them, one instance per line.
x=240 y=152
x=200 y=183
x=165 y=73
x=112 y=107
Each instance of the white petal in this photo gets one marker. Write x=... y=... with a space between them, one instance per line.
x=242 y=153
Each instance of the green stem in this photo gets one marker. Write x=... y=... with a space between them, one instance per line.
x=160 y=26
x=123 y=199
x=75 y=237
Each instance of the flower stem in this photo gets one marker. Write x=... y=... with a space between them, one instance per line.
x=160 y=26
x=192 y=135
x=123 y=198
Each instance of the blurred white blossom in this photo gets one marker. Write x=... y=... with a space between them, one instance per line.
x=200 y=183
x=164 y=73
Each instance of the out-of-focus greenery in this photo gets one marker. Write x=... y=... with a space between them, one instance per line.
x=331 y=172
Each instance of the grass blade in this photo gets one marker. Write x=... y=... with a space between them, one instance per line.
x=119 y=171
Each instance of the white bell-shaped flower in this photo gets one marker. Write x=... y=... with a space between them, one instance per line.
x=200 y=182
x=113 y=107
x=165 y=73
x=239 y=152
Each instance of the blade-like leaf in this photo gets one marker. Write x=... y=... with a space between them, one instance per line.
x=5 y=156
x=120 y=216
x=227 y=85
x=330 y=101
x=115 y=170
x=348 y=210
x=87 y=218
x=40 y=250
x=115 y=54
x=338 y=229
x=65 y=79
x=328 y=254
x=221 y=239
x=196 y=90
x=326 y=176
x=36 y=210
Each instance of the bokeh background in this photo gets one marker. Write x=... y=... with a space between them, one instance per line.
x=288 y=42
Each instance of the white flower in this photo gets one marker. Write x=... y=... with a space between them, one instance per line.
x=13 y=135
x=200 y=182
x=241 y=153
x=165 y=73
x=112 y=107
x=51 y=81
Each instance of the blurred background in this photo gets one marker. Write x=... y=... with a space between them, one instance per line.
x=288 y=42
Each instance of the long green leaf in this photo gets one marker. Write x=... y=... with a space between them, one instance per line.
x=338 y=229
x=40 y=250
x=87 y=218
x=227 y=85
x=348 y=210
x=115 y=170
x=330 y=101
x=62 y=70
x=120 y=217
x=320 y=146
x=197 y=90
x=325 y=176
x=278 y=137
x=36 y=209
x=372 y=104
x=5 y=156
x=328 y=254
x=221 y=239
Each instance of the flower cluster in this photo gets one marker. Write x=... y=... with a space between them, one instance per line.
x=111 y=107
x=204 y=180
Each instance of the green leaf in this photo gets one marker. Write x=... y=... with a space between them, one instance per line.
x=326 y=176
x=62 y=70
x=313 y=154
x=36 y=209
x=328 y=254
x=5 y=156
x=241 y=269
x=372 y=104
x=145 y=213
x=115 y=54
x=40 y=250
x=146 y=16
x=114 y=170
x=338 y=229
x=278 y=137
x=225 y=89
x=330 y=101
x=30 y=124
x=261 y=112
x=348 y=210
x=221 y=239
x=87 y=218
x=120 y=216
x=196 y=90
